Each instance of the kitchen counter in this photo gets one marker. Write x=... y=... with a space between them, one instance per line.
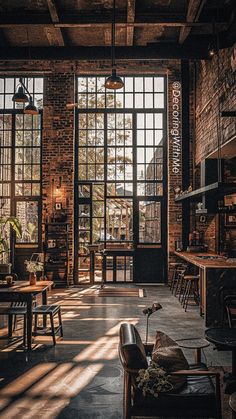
x=207 y=260
x=213 y=271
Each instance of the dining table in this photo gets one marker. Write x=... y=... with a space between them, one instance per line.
x=22 y=291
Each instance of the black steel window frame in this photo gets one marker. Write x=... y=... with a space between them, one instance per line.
x=136 y=199
x=6 y=93
x=23 y=198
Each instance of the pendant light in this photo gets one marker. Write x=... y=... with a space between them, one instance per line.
x=113 y=81
x=21 y=97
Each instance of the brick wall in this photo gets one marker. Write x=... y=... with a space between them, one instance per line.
x=57 y=150
x=216 y=91
x=58 y=125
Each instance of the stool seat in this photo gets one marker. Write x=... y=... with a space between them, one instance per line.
x=12 y=310
x=51 y=311
x=45 y=309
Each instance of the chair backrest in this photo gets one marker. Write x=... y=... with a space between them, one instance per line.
x=131 y=349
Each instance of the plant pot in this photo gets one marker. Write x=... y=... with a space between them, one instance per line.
x=61 y=274
x=32 y=278
x=49 y=276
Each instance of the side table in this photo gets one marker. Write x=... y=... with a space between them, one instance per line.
x=194 y=343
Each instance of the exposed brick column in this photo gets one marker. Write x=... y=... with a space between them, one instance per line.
x=58 y=148
x=174 y=167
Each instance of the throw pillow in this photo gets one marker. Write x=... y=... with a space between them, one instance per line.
x=169 y=356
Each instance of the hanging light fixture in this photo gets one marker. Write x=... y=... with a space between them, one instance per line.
x=113 y=81
x=21 y=97
x=31 y=109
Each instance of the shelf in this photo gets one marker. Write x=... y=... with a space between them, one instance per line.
x=57 y=234
x=220 y=188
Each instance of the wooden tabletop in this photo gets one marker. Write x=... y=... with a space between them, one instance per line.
x=24 y=287
x=206 y=262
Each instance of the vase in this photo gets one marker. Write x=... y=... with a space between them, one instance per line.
x=32 y=278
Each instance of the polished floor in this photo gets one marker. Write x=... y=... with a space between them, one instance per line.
x=81 y=377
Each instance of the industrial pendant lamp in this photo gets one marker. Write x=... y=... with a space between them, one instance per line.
x=113 y=81
x=21 y=97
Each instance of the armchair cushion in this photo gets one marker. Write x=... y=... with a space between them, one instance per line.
x=169 y=356
x=197 y=396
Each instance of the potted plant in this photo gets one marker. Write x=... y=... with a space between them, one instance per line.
x=33 y=266
x=5 y=222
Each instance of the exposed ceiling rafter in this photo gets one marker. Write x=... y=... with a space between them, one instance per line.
x=54 y=34
x=130 y=21
x=193 y=13
x=166 y=51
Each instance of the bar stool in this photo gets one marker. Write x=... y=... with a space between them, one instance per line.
x=51 y=311
x=173 y=268
x=180 y=280
x=191 y=290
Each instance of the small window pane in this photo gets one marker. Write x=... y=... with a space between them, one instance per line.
x=139 y=101
x=149 y=222
x=159 y=84
x=159 y=100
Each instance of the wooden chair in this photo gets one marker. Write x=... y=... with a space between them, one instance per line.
x=200 y=397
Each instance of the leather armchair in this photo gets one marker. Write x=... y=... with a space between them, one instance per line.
x=199 y=397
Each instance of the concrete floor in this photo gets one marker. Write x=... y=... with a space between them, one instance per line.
x=81 y=376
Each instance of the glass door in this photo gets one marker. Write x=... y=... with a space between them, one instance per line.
x=120 y=169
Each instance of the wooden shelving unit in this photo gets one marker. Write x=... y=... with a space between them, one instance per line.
x=56 y=253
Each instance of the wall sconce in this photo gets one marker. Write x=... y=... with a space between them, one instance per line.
x=58 y=187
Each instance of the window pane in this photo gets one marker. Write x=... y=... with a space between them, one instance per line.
x=27 y=212
x=149 y=222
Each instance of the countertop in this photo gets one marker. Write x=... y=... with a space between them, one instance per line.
x=219 y=263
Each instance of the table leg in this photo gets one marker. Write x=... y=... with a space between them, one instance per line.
x=234 y=363
x=103 y=271
x=29 y=321
x=44 y=302
x=198 y=355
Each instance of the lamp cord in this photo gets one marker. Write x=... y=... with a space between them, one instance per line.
x=219 y=171
x=113 y=35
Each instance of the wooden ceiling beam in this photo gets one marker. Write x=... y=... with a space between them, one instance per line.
x=108 y=25
x=130 y=21
x=161 y=51
x=193 y=13
x=54 y=34
x=3 y=40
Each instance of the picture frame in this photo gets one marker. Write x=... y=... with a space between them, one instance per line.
x=179 y=218
x=58 y=206
x=202 y=219
x=230 y=220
